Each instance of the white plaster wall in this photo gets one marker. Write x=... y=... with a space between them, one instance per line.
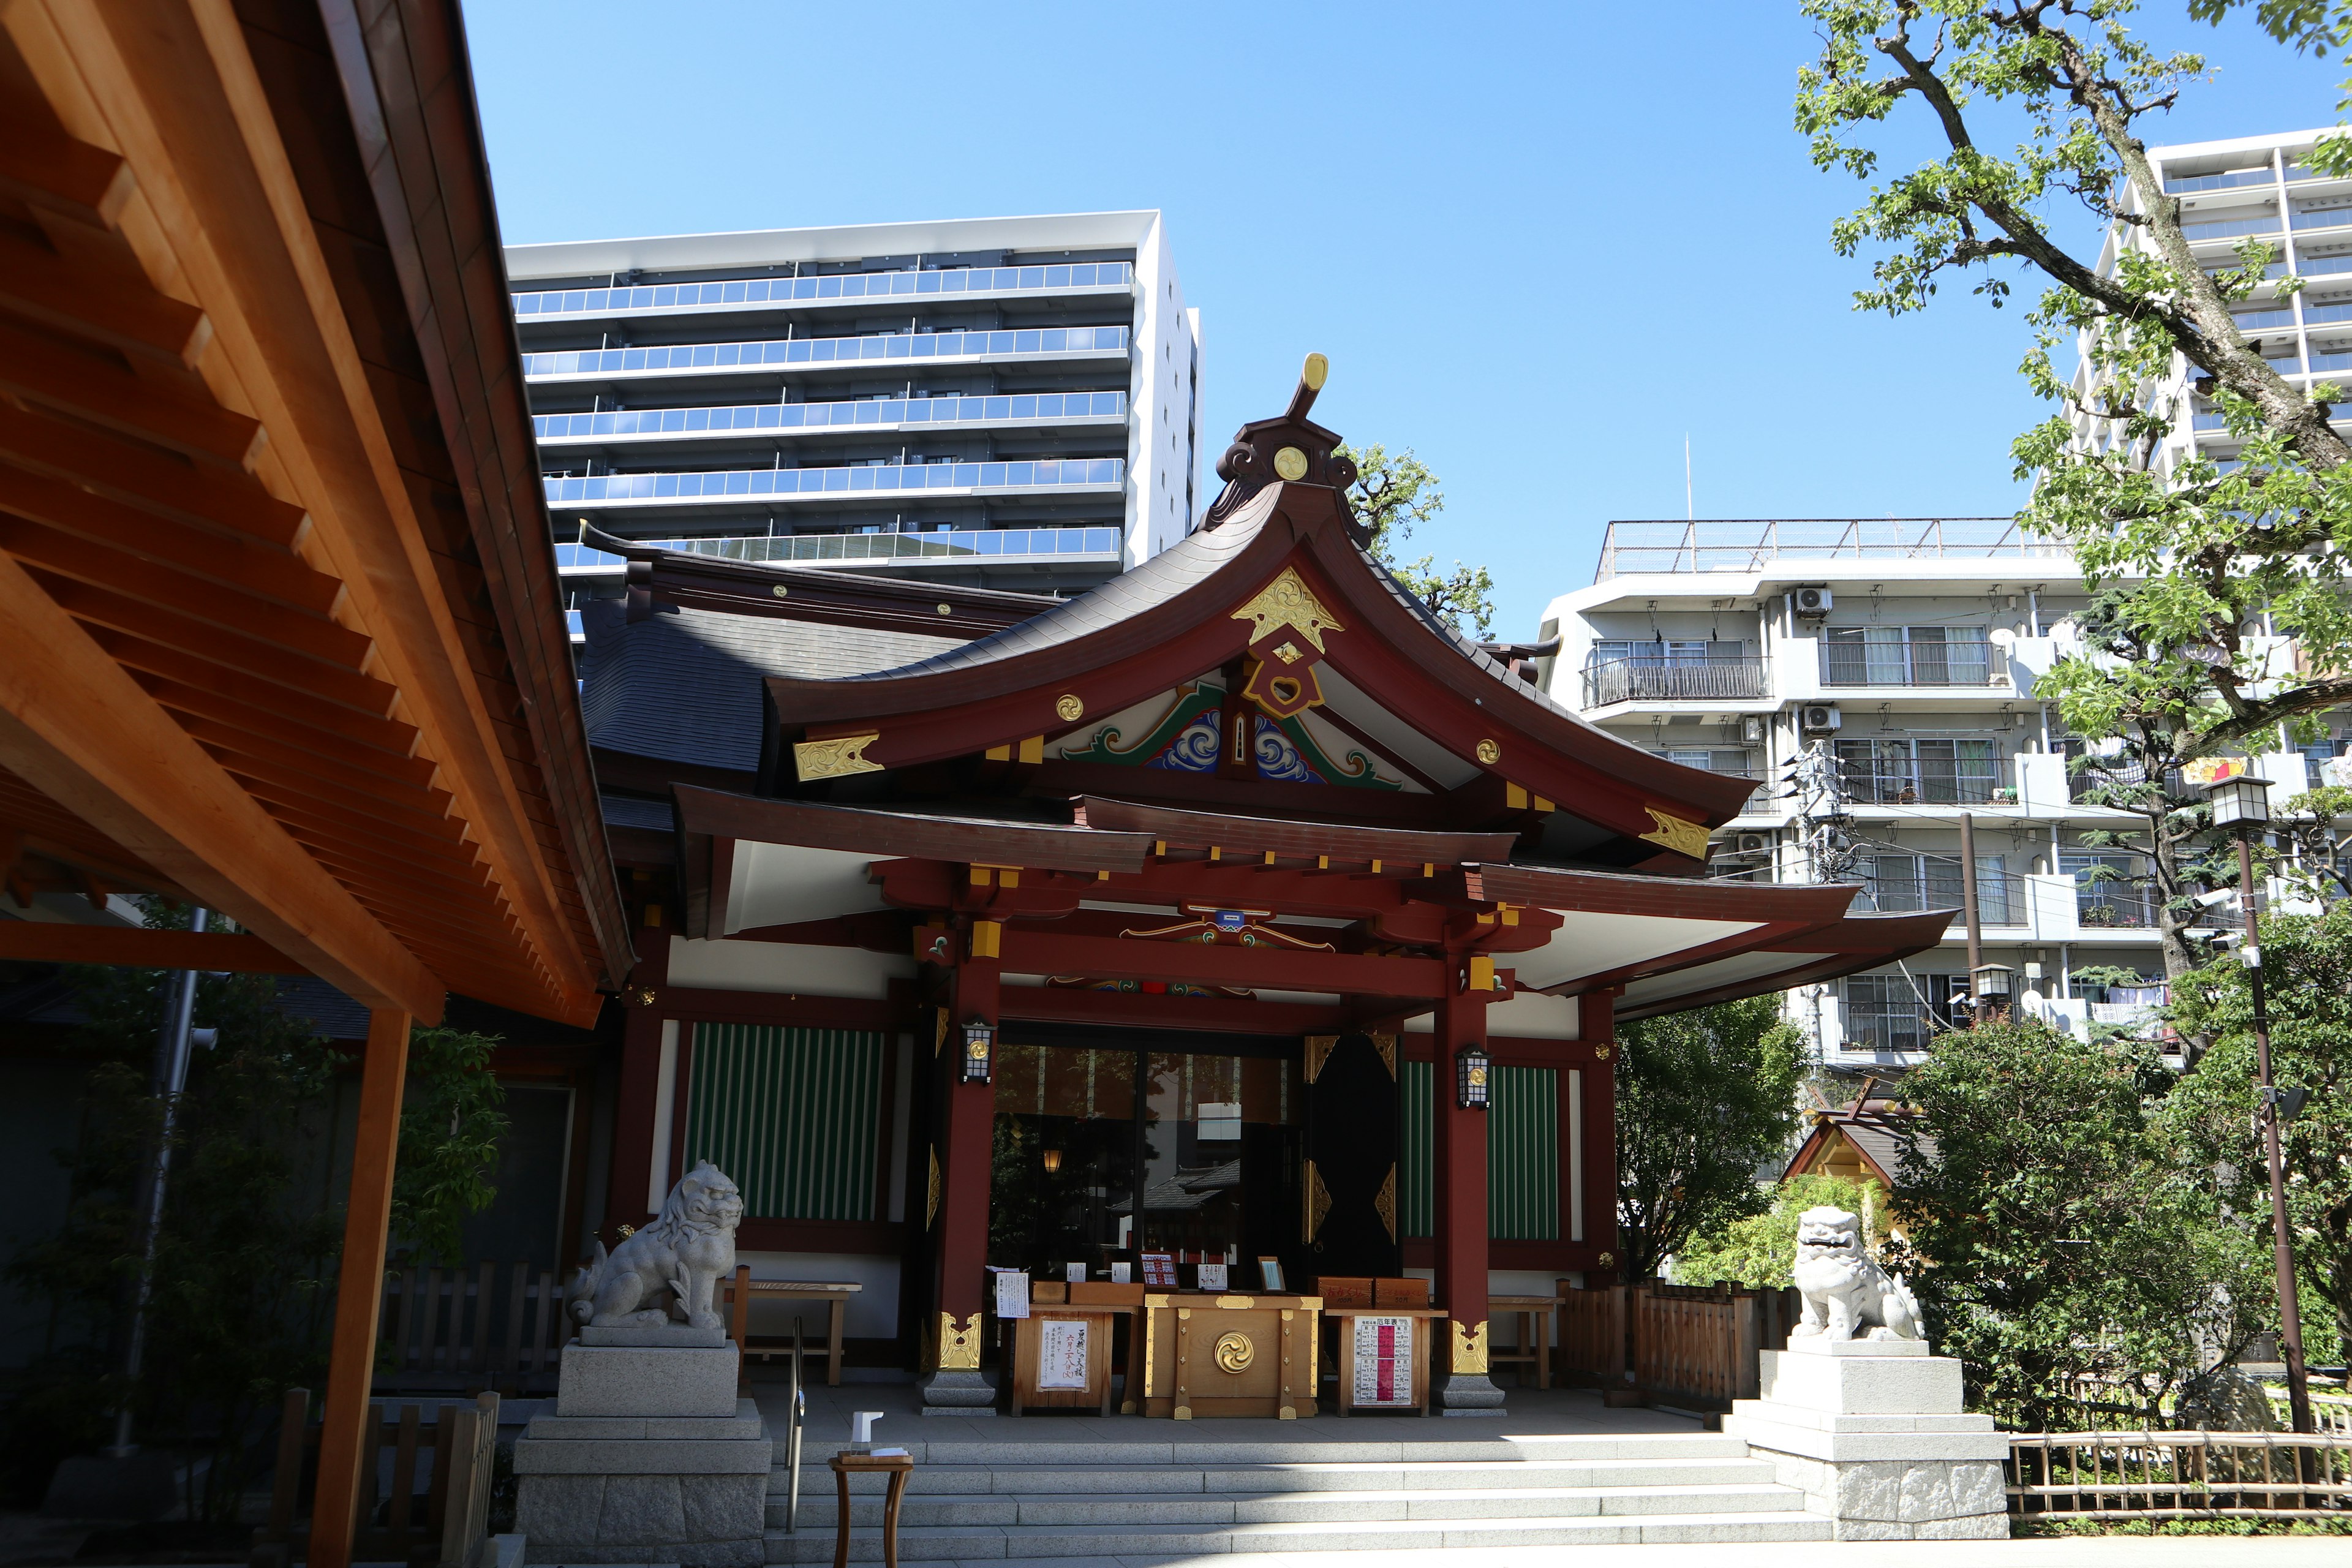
x=1164 y=397
x=873 y=1311
x=785 y=967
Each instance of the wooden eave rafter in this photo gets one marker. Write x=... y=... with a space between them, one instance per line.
x=1386 y=649
x=780 y=592
x=1274 y=841
x=1851 y=944
x=278 y=619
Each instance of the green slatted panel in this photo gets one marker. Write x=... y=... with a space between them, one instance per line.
x=793 y=1115
x=1413 y=1148
x=1523 y=1154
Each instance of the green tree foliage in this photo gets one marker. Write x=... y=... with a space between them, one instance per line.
x=452 y=1118
x=244 y=1264
x=242 y=1297
x=2307 y=962
x=2059 y=1232
x=1704 y=1098
x=1392 y=495
x=1759 y=1250
x=2186 y=564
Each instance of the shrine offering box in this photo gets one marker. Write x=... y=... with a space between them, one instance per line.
x=1061 y=1357
x=1401 y=1292
x=1229 y=1354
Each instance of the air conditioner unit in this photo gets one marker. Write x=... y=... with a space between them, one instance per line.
x=1752 y=843
x=1751 y=731
x=1820 y=718
x=1815 y=601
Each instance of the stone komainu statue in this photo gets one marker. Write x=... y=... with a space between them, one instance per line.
x=1845 y=1291
x=665 y=1272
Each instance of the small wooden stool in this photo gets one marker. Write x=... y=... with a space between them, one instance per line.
x=1532 y=1351
x=897 y=1466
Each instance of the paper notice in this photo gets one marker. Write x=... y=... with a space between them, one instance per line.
x=1122 y=1273
x=1213 y=1276
x=1075 y=1273
x=1012 y=1293
x=1061 y=1353
x=1383 y=1361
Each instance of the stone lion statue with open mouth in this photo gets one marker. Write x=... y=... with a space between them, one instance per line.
x=1846 y=1292
x=666 y=1272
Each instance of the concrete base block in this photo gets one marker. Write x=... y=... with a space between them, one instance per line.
x=695 y=1521
x=1822 y=1345
x=659 y=1336
x=1900 y=1500
x=1466 y=1393
x=744 y=1423
x=636 y=1381
x=1862 y=1385
x=963 y=1393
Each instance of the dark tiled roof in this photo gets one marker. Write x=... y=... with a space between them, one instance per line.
x=1181 y=566
x=628 y=810
x=683 y=685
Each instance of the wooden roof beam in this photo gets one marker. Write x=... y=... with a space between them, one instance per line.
x=76 y=727
x=46 y=941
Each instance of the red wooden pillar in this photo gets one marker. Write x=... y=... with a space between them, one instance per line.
x=1458 y=1158
x=965 y=1169
x=643 y=1005
x=1598 y=1027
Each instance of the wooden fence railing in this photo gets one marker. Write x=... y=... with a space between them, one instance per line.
x=444 y=1525
x=2193 y=1475
x=1692 y=1345
x=468 y=1329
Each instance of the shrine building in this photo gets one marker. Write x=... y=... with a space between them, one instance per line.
x=1239 y=910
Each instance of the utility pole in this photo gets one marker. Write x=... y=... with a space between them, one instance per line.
x=1969 y=910
x=169 y=1081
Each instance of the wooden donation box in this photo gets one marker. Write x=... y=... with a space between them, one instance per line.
x=1384 y=1332
x=1062 y=1350
x=1217 y=1353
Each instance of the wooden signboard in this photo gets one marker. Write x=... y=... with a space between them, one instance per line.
x=1384 y=1356
x=1061 y=1357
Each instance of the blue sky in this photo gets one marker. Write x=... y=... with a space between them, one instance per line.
x=1539 y=243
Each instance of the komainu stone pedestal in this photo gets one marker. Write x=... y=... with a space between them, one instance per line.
x=649 y=1457
x=1873 y=1432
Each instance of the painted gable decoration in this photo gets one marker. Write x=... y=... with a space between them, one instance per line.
x=1183 y=738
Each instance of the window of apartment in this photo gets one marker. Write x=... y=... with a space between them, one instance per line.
x=1710 y=759
x=1883 y=1013
x=1668 y=652
x=1906 y=770
x=1903 y=656
x=1900 y=884
x=2108 y=891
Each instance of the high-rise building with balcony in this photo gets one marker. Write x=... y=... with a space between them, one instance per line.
x=1905 y=652
x=2259 y=187
x=1007 y=402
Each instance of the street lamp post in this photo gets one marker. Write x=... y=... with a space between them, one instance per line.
x=2242 y=804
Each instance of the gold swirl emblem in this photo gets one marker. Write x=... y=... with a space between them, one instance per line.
x=1235 y=1352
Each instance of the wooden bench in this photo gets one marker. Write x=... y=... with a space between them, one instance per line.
x=737 y=1294
x=1532 y=1351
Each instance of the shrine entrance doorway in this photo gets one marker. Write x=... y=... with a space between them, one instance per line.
x=1110 y=1143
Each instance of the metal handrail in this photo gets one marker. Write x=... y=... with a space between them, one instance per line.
x=1659 y=681
x=797 y=1409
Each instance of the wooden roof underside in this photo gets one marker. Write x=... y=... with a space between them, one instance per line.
x=278 y=618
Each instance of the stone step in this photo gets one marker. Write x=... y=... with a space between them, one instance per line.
x=921 y=1543
x=965 y=1480
x=1082 y=1448
x=1367 y=1507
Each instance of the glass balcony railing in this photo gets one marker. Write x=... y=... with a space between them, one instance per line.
x=2230 y=180
x=2316 y=265
x=2323 y=217
x=1027 y=409
x=676 y=358
x=640 y=490
x=1928 y=781
x=835 y=286
x=1641 y=681
x=2299 y=171
x=943 y=545
x=2248 y=320
x=2221 y=228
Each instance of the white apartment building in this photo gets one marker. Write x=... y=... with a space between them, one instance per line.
x=2255 y=186
x=1009 y=402
x=1908 y=648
